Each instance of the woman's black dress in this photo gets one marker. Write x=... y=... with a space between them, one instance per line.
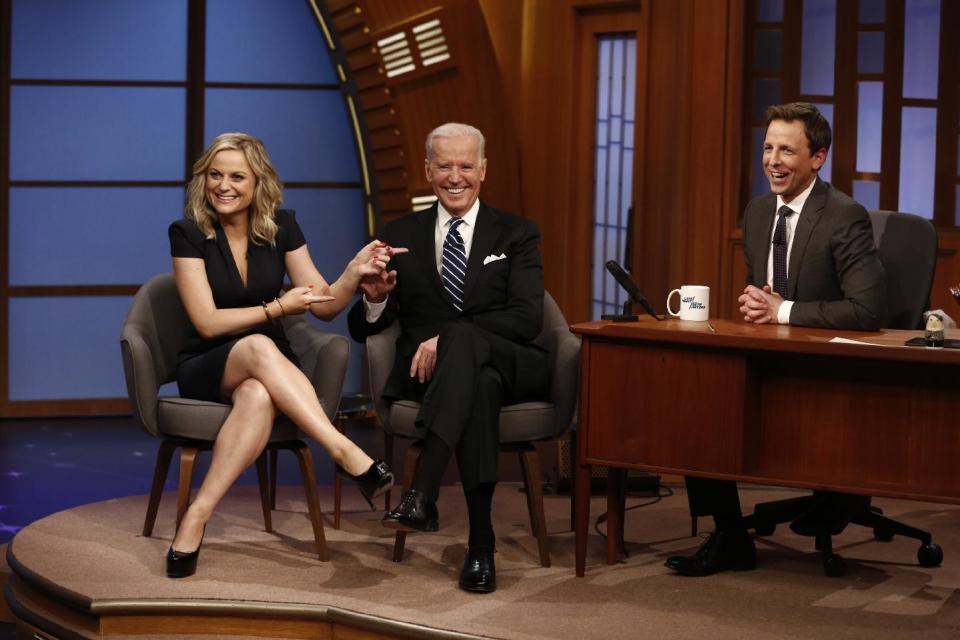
x=201 y=362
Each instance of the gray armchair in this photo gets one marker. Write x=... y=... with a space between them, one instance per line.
x=521 y=425
x=151 y=337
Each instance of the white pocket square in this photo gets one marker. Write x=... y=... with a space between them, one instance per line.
x=492 y=258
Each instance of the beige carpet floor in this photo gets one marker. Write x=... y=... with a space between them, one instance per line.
x=96 y=551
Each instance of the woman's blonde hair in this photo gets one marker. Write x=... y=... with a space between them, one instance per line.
x=267 y=194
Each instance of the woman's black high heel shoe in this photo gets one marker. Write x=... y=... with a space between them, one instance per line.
x=183 y=565
x=373 y=482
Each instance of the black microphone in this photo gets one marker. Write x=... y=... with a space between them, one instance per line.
x=630 y=287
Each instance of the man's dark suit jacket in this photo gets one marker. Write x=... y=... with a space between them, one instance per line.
x=503 y=297
x=834 y=277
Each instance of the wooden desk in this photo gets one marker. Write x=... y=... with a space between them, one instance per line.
x=766 y=404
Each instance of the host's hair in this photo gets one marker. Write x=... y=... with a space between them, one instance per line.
x=267 y=194
x=814 y=124
x=454 y=130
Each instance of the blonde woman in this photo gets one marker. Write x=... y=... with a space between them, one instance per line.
x=231 y=253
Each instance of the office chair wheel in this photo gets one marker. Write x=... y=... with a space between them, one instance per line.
x=930 y=555
x=834 y=566
x=882 y=534
x=765 y=528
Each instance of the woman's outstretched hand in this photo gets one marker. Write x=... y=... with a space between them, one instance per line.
x=298 y=299
x=373 y=258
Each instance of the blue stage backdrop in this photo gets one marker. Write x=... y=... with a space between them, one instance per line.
x=96 y=169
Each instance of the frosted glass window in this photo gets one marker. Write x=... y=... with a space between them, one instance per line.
x=770 y=11
x=307 y=133
x=80 y=235
x=66 y=347
x=768 y=50
x=759 y=184
x=872 y=11
x=921 y=48
x=97 y=133
x=918 y=160
x=613 y=170
x=826 y=171
x=869 y=126
x=870 y=52
x=102 y=40
x=818 y=41
x=766 y=91
x=334 y=224
x=867 y=193
x=265 y=41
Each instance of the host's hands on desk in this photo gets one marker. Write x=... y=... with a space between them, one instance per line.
x=759 y=305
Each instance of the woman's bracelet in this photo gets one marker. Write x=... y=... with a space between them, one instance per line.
x=283 y=311
x=266 y=312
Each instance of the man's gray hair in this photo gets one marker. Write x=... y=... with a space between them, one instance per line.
x=454 y=130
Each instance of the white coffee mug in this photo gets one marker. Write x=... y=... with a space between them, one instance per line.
x=694 y=302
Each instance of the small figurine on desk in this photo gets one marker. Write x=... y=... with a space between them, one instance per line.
x=934 y=331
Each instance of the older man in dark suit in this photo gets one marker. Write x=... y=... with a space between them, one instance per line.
x=811 y=261
x=469 y=298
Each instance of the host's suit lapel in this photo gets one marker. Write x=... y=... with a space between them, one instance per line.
x=427 y=248
x=809 y=217
x=484 y=237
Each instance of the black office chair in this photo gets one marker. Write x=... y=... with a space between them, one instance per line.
x=907 y=245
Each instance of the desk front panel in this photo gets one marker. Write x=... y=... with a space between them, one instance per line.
x=863 y=425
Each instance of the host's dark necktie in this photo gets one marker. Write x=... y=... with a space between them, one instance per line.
x=453 y=265
x=780 y=252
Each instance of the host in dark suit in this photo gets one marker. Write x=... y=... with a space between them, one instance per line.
x=811 y=261
x=469 y=298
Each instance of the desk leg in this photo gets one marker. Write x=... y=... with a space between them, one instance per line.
x=616 y=497
x=581 y=503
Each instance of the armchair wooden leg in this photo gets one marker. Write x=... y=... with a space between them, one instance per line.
x=188 y=464
x=305 y=458
x=337 y=482
x=409 y=469
x=273 y=478
x=263 y=482
x=530 y=462
x=164 y=456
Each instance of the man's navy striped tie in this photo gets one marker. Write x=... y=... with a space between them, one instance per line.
x=453 y=266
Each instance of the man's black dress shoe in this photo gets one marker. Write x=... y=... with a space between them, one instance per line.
x=723 y=550
x=479 y=574
x=373 y=482
x=414 y=513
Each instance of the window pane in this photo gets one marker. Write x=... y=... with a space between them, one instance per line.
x=918 y=160
x=51 y=358
x=765 y=93
x=872 y=11
x=613 y=170
x=106 y=133
x=770 y=11
x=867 y=193
x=869 y=126
x=768 y=50
x=818 y=44
x=826 y=171
x=102 y=40
x=280 y=42
x=870 y=52
x=306 y=132
x=84 y=243
x=921 y=47
x=333 y=225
